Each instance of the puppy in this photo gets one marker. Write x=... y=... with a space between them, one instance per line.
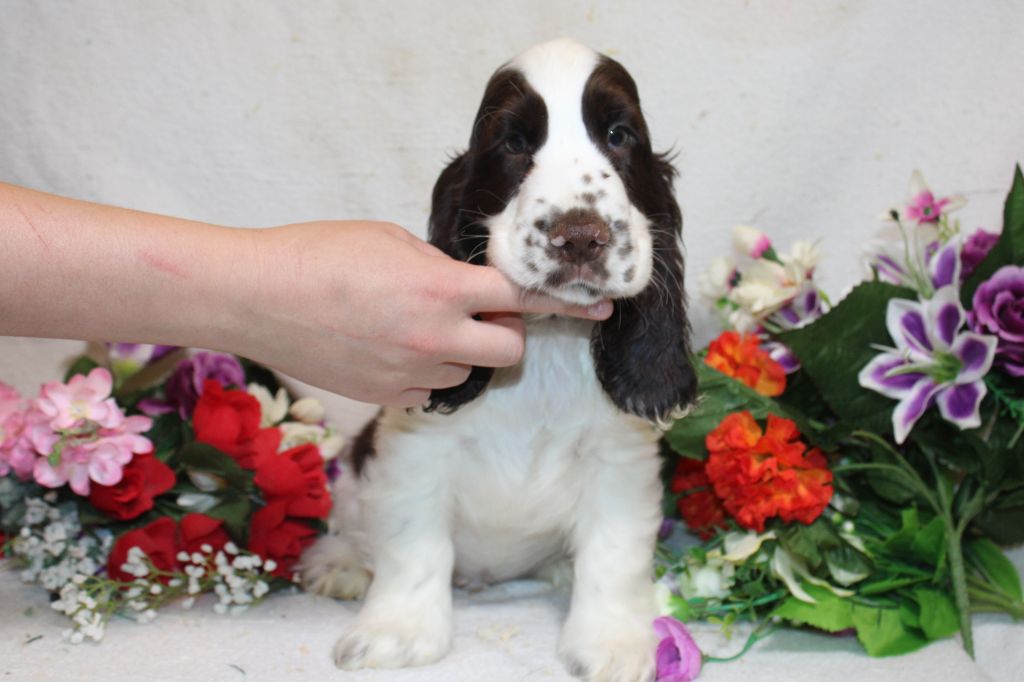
x=520 y=470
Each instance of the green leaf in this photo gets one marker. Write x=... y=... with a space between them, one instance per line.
x=233 y=510
x=859 y=321
x=83 y=365
x=1010 y=247
x=208 y=459
x=720 y=396
x=810 y=542
x=929 y=544
x=937 y=616
x=1003 y=520
x=990 y=561
x=883 y=631
x=830 y=612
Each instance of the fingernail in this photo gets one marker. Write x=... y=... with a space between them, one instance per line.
x=600 y=310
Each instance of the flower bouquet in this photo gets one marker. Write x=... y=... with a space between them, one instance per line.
x=856 y=467
x=158 y=476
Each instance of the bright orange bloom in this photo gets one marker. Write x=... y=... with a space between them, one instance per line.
x=699 y=506
x=741 y=357
x=758 y=475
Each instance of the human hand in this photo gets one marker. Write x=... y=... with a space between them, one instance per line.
x=370 y=311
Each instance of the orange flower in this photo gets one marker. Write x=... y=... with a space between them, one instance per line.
x=759 y=475
x=699 y=507
x=743 y=359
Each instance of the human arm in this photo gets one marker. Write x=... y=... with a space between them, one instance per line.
x=360 y=308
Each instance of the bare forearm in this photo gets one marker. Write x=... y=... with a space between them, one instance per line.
x=71 y=269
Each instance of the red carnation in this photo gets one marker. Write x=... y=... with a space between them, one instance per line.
x=197 y=530
x=144 y=478
x=699 y=506
x=273 y=535
x=230 y=422
x=158 y=540
x=295 y=478
x=758 y=475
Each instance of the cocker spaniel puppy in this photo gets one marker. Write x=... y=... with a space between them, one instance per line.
x=553 y=462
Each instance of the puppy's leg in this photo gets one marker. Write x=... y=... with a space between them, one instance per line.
x=406 y=619
x=608 y=636
x=336 y=565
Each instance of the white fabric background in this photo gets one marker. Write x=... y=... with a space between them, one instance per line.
x=804 y=118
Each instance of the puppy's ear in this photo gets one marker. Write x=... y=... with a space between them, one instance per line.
x=642 y=352
x=446 y=234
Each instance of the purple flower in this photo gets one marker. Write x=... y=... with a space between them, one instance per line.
x=678 y=659
x=128 y=358
x=999 y=310
x=977 y=247
x=933 y=362
x=805 y=307
x=185 y=385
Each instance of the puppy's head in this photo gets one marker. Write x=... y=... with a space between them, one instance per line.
x=561 y=191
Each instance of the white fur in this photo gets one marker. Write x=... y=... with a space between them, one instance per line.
x=558 y=71
x=540 y=468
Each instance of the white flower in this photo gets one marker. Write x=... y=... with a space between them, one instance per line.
x=307 y=410
x=803 y=256
x=712 y=580
x=741 y=546
x=327 y=440
x=750 y=241
x=715 y=282
x=272 y=408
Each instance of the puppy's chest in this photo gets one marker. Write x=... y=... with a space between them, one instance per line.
x=526 y=446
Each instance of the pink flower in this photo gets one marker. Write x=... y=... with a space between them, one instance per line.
x=75 y=433
x=81 y=399
x=923 y=207
x=11 y=418
x=678 y=659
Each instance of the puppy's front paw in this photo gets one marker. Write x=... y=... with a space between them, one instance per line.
x=614 y=653
x=392 y=644
x=332 y=567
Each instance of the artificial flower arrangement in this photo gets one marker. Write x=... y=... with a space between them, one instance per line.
x=856 y=467
x=159 y=476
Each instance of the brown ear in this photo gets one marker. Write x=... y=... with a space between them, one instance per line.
x=642 y=352
x=445 y=234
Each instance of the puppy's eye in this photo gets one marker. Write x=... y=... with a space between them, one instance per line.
x=516 y=143
x=619 y=136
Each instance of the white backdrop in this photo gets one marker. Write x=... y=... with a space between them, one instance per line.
x=804 y=118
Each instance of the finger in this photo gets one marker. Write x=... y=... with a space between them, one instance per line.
x=487 y=290
x=489 y=344
x=448 y=374
x=413 y=397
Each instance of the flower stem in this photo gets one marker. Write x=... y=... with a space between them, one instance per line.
x=955 y=552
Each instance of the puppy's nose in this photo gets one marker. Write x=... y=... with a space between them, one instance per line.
x=579 y=236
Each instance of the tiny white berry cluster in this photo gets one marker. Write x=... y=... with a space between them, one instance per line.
x=237 y=577
x=51 y=546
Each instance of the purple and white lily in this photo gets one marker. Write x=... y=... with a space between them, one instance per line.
x=934 y=362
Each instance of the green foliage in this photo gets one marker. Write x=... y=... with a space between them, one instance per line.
x=1010 y=247
x=720 y=396
x=234 y=484
x=82 y=365
x=887 y=630
x=859 y=321
x=986 y=558
x=829 y=612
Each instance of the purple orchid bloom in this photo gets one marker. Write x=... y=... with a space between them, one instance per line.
x=678 y=659
x=934 y=361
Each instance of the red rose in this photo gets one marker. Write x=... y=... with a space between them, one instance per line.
x=144 y=478
x=296 y=478
x=230 y=422
x=273 y=535
x=158 y=540
x=3 y=540
x=197 y=530
x=699 y=506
